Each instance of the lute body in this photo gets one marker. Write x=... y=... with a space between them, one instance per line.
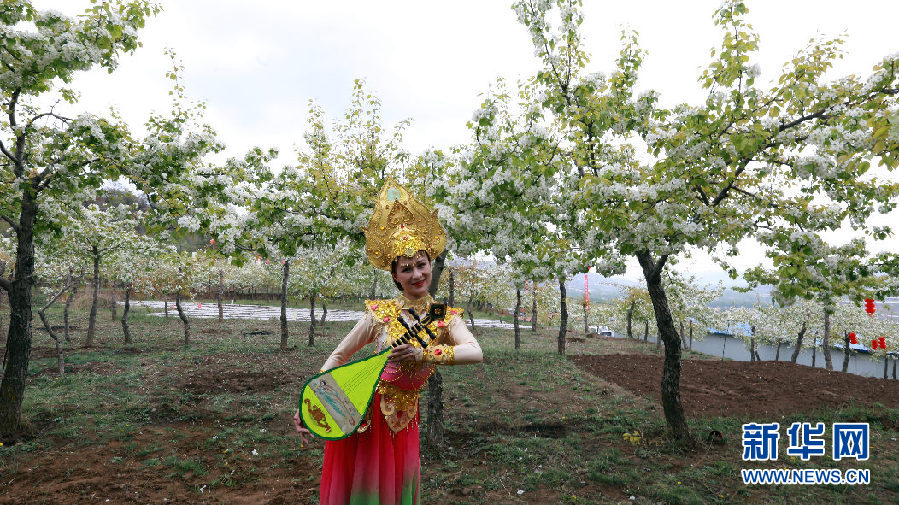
x=333 y=403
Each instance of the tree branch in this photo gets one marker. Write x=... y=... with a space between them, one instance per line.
x=657 y=269
x=4 y=282
x=6 y=152
x=45 y=114
x=743 y=191
x=13 y=224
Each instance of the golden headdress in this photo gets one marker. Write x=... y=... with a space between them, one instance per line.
x=401 y=226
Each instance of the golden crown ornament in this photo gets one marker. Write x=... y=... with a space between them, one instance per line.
x=401 y=226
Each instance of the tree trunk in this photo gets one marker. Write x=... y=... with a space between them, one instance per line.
x=646 y=330
x=814 y=352
x=671 y=371
x=630 y=320
x=515 y=318
x=825 y=344
x=2 y=271
x=894 y=368
x=95 y=298
x=586 y=316
x=798 y=342
x=752 y=349
x=113 y=304
x=435 y=381
x=436 y=271
x=324 y=312
x=563 y=321
x=125 y=329
x=683 y=334
x=18 y=341
x=470 y=313
x=886 y=364
x=534 y=307
x=220 y=294
x=166 y=304
x=65 y=310
x=183 y=317
x=435 y=409
x=60 y=359
x=284 y=276
x=777 y=353
x=452 y=287
x=691 y=334
x=845 y=351
x=311 y=319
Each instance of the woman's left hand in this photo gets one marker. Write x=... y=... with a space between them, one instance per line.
x=405 y=352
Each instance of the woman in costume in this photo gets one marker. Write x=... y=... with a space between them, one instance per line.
x=379 y=464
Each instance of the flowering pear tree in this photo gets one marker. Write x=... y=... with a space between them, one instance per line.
x=56 y=266
x=506 y=196
x=743 y=323
x=49 y=155
x=129 y=265
x=884 y=342
x=181 y=274
x=746 y=159
x=689 y=301
x=850 y=320
x=774 y=327
x=321 y=268
x=95 y=234
x=805 y=265
x=636 y=305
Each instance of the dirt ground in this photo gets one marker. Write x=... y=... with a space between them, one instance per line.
x=138 y=471
x=711 y=388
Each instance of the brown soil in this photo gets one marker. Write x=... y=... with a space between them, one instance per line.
x=217 y=381
x=114 y=474
x=739 y=388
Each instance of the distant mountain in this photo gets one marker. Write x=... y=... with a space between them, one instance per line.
x=602 y=289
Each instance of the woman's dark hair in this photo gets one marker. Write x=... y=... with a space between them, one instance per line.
x=393 y=269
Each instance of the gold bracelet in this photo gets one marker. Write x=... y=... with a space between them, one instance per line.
x=443 y=354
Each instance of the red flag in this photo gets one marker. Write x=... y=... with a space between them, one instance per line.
x=586 y=291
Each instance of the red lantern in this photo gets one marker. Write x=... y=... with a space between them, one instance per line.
x=883 y=344
x=852 y=339
x=869 y=306
x=874 y=343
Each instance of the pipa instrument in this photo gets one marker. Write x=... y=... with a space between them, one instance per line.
x=333 y=403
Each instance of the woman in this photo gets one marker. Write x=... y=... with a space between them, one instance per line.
x=379 y=464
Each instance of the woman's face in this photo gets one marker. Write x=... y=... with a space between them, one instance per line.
x=414 y=275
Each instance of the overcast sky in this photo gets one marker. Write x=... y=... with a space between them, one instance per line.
x=256 y=64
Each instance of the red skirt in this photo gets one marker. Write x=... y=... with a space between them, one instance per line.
x=375 y=467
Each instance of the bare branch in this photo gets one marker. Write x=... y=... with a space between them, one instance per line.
x=45 y=114
x=6 y=152
x=15 y=225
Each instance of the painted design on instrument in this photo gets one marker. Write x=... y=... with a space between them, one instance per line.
x=336 y=402
x=317 y=415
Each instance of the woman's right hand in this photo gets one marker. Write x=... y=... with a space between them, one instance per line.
x=302 y=430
